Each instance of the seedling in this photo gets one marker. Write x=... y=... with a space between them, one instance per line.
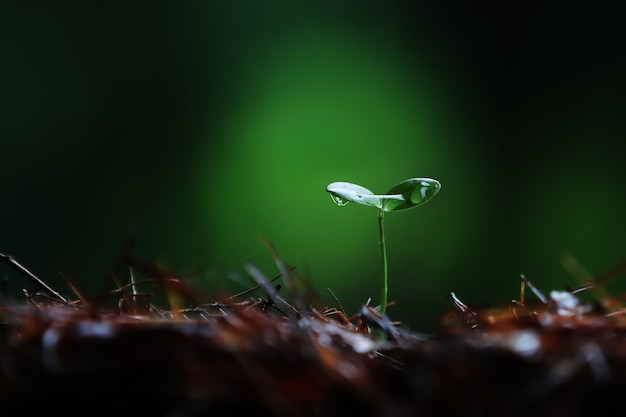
x=403 y=196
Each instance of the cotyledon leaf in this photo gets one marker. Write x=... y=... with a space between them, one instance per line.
x=344 y=192
x=414 y=192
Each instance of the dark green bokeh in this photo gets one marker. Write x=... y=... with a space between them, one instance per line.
x=202 y=126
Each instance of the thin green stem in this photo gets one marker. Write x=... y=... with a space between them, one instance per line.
x=383 y=255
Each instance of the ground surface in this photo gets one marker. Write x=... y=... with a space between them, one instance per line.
x=266 y=356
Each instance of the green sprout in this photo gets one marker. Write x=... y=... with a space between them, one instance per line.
x=403 y=196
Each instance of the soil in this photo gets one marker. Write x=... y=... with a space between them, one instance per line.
x=119 y=353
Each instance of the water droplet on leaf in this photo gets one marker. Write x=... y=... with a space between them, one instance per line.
x=338 y=200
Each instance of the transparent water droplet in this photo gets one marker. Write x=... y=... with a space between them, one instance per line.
x=425 y=191
x=338 y=200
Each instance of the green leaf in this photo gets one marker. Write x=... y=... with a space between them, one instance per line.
x=409 y=194
x=344 y=192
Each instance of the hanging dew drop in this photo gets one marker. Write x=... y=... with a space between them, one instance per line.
x=338 y=200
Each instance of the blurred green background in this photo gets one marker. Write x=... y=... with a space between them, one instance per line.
x=201 y=126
